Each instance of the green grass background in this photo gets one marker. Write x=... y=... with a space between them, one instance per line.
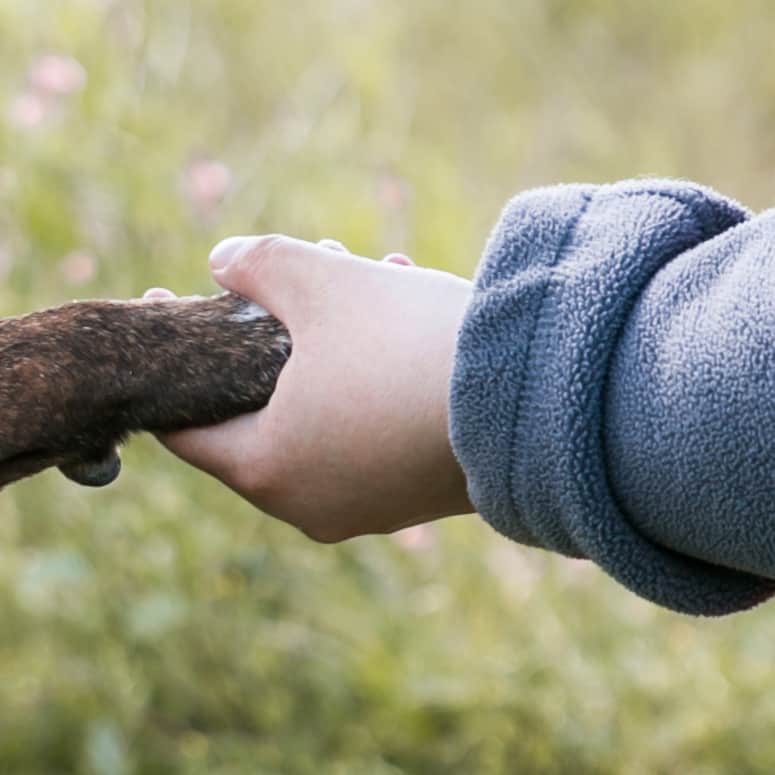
x=161 y=625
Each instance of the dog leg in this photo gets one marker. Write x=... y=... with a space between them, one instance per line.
x=76 y=380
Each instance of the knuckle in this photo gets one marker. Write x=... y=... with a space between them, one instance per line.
x=268 y=246
x=262 y=260
x=261 y=251
x=332 y=244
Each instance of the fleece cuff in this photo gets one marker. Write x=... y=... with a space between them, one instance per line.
x=561 y=272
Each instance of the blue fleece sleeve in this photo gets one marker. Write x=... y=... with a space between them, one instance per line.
x=613 y=389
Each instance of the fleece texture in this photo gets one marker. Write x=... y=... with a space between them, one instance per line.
x=613 y=392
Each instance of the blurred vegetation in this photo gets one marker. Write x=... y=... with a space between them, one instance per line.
x=162 y=626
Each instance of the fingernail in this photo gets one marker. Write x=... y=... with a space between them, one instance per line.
x=223 y=253
x=158 y=293
x=333 y=244
x=398 y=258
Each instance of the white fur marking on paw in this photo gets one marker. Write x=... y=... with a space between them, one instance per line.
x=248 y=313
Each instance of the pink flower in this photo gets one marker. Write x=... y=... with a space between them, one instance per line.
x=27 y=111
x=51 y=78
x=418 y=538
x=205 y=184
x=56 y=74
x=78 y=267
x=392 y=191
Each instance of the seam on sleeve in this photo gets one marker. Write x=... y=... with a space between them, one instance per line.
x=566 y=238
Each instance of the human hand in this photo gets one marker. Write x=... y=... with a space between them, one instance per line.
x=354 y=439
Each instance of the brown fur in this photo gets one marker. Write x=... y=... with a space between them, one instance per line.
x=76 y=380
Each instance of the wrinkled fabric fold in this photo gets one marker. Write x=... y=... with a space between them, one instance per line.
x=552 y=415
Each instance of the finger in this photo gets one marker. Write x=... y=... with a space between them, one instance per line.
x=240 y=452
x=159 y=293
x=332 y=244
x=276 y=271
x=398 y=258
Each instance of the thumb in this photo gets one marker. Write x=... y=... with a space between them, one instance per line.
x=276 y=271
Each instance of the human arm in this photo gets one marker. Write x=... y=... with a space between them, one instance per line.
x=563 y=406
x=630 y=326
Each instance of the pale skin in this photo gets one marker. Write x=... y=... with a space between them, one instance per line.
x=355 y=437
